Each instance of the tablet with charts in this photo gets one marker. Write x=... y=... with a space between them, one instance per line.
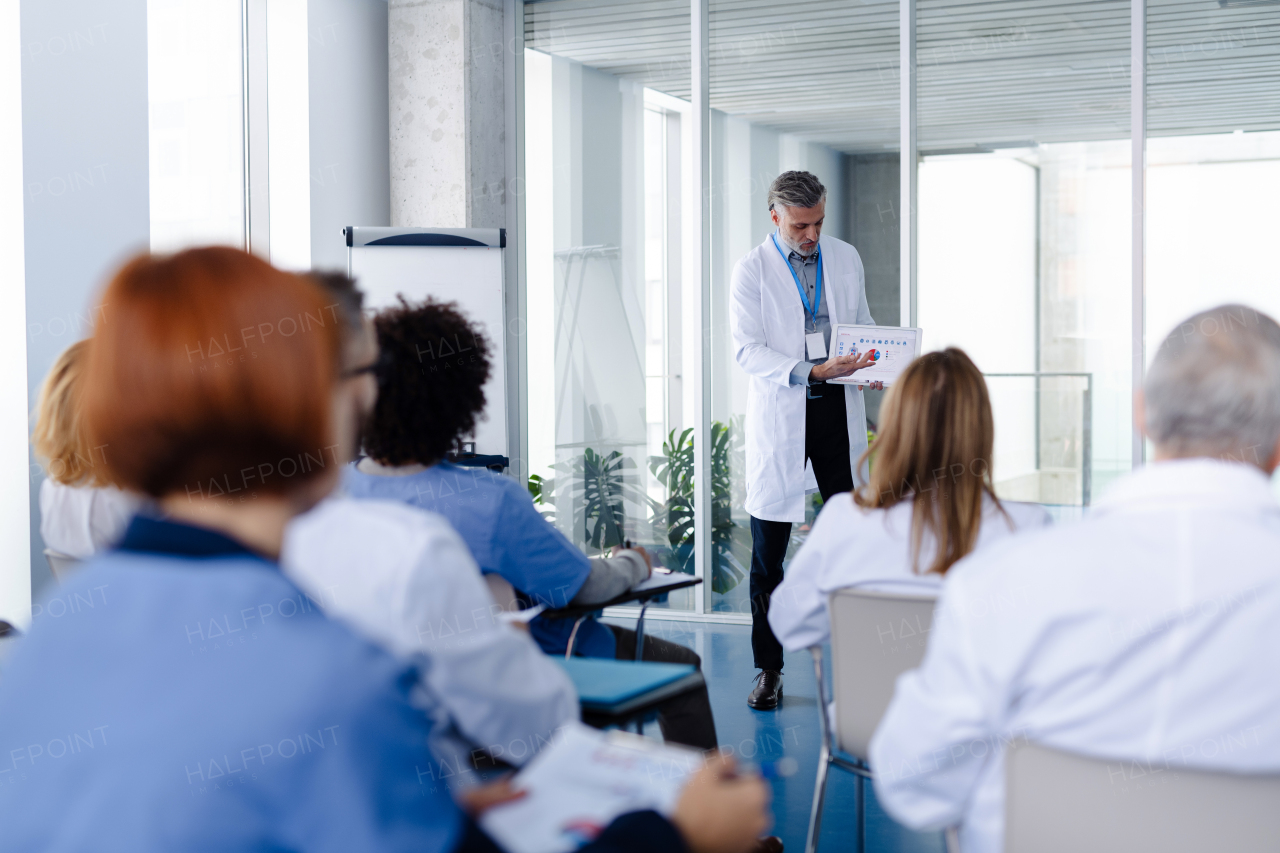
x=895 y=347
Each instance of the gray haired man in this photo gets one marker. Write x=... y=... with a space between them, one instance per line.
x=786 y=295
x=1143 y=634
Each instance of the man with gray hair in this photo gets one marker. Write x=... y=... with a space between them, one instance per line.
x=786 y=294
x=1144 y=633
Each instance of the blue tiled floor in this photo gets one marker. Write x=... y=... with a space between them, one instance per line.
x=792 y=730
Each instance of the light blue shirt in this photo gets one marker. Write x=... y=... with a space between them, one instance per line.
x=181 y=694
x=495 y=516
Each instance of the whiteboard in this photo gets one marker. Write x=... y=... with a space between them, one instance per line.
x=461 y=265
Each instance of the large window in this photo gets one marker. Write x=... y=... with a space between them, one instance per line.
x=1213 y=158
x=196 y=107
x=1012 y=238
x=814 y=91
x=204 y=59
x=1024 y=188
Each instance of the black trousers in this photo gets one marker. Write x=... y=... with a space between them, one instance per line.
x=826 y=445
x=683 y=719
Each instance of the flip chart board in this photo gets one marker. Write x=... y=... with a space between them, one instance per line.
x=461 y=265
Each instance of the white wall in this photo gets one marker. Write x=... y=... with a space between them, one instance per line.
x=350 y=161
x=85 y=169
x=15 y=540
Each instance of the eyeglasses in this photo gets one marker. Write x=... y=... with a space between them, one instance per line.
x=379 y=368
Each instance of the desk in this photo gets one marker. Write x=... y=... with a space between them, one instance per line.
x=643 y=592
x=618 y=693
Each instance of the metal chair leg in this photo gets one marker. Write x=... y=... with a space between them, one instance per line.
x=640 y=632
x=819 y=796
x=573 y=635
x=860 y=810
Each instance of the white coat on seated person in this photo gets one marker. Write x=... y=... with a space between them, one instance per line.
x=768 y=327
x=1147 y=632
x=81 y=521
x=403 y=578
x=853 y=546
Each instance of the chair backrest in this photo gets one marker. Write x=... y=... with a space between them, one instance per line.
x=875 y=637
x=60 y=564
x=1057 y=802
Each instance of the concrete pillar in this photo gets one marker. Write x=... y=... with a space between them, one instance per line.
x=447 y=113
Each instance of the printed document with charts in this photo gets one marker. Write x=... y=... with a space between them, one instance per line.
x=582 y=781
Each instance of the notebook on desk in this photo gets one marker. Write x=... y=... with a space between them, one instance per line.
x=659 y=581
x=583 y=780
x=616 y=686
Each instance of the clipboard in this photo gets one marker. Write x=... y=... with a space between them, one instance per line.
x=896 y=347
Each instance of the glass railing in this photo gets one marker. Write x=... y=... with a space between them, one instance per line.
x=1044 y=437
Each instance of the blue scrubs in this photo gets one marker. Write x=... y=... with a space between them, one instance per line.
x=180 y=693
x=495 y=516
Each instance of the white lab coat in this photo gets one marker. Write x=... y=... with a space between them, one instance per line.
x=851 y=546
x=81 y=521
x=1145 y=632
x=767 y=320
x=403 y=578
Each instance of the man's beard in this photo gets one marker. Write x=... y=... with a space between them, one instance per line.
x=795 y=247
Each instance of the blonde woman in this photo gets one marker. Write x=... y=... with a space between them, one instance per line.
x=81 y=513
x=928 y=504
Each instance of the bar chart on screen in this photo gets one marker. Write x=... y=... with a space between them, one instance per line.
x=893 y=349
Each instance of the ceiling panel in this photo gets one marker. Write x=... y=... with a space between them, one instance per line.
x=989 y=72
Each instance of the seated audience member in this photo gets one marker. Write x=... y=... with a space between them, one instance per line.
x=199 y=703
x=402 y=577
x=1141 y=633
x=430 y=395
x=929 y=501
x=81 y=513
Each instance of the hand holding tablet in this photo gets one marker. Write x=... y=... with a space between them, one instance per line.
x=839 y=367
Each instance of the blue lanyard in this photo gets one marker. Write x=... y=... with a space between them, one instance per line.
x=817 y=290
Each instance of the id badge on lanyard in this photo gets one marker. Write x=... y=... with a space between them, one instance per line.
x=815 y=342
x=816 y=346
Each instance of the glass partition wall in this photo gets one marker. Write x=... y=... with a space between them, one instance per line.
x=1007 y=230
x=606 y=150
x=813 y=86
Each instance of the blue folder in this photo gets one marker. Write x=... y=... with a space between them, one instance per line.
x=621 y=686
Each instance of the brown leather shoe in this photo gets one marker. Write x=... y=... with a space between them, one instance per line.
x=767 y=693
x=768 y=844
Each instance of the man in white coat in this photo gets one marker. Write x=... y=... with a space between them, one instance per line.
x=787 y=294
x=1145 y=633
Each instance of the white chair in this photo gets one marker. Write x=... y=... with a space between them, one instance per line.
x=62 y=565
x=1059 y=802
x=875 y=637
